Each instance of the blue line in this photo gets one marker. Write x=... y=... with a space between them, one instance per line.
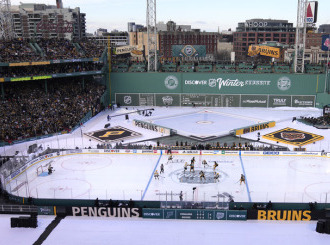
x=246 y=182
x=152 y=175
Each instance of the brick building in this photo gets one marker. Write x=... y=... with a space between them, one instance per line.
x=257 y=31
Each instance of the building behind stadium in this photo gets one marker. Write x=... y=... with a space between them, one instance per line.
x=32 y=20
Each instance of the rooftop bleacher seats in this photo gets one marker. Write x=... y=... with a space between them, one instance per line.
x=264 y=68
x=138 y=67
x=225 y=68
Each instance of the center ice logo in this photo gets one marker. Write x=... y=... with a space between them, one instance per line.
x=194 y=177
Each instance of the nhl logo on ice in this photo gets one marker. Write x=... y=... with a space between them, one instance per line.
x=284 y=83
x=292 y=136
x=171 y=82
x=127 y=100
x=167 y=100
x=212 y=83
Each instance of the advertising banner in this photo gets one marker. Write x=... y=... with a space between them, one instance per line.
x=279 y=100
x=325 y=42
x=303 y=101
x=149 y=213
x=254 y=101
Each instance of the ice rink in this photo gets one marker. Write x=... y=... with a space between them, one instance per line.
x=123 y=176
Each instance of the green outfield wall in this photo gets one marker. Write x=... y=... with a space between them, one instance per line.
x=219 y=89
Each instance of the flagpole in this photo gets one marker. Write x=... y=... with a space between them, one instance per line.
x=327 y=70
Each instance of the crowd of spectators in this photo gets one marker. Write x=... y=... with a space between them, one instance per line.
x=28 y=111
x=323 y=120
x=19 y=50
x=54 y=49
x=29 y=71
x=90 y=48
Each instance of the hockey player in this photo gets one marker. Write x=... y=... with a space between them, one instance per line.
x=215 y=165
x=185 y=167
x=50 y=169
x=216 y=177
x=204 y=162
x=202 y=175
x=161 y=169
x=170 y=158
x=192 y=166
x=242 y=179
x=156 y=174
x=192 y=160
x=181 y=196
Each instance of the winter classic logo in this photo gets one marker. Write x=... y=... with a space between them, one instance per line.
x=284 y=83
x=171 y=82
x=167 y=100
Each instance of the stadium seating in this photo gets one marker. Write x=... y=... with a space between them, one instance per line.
x=314 y=69
x=264 y=68
x=186 y=68
x=225 y=68
x=204 y=68
x=138 y=67
x=168 y=67
x=245 y=68
x=281 y=68
x=121 y=67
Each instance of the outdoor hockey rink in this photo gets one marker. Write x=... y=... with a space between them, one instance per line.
x=120 y=176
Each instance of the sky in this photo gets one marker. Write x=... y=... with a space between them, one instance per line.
x=208 y=15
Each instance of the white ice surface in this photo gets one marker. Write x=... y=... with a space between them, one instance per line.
x=125 y=176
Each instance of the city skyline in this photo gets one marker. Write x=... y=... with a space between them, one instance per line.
x=211 y=15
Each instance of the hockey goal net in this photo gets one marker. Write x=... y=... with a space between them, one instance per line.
x=40 y=170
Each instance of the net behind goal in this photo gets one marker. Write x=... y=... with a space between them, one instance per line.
x=40 y=170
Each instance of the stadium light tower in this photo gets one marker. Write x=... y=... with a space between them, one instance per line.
x=6 y=26
x=152 y=35
x=299 y=57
